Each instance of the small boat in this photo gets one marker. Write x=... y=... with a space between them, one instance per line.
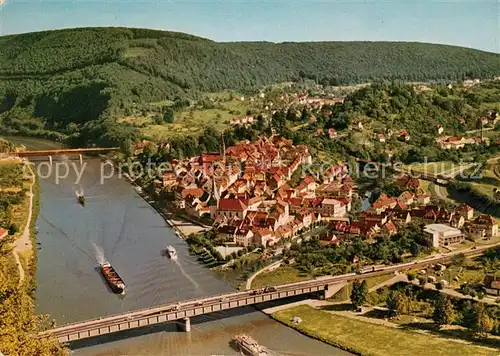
x=171 y=252
x=114 y=280
x=81 y=200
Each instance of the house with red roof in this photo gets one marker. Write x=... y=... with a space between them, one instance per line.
x=243 y=236
x=230 y=207
x=423 y=199
x=181 y=194
x=407 y=182
x=466 y=211
x=383 y=203
x=306 y=217
x=406 y=197
x=332 y=133
x=309 y=183
x=457 y=221
x=264 y=237
x=333 y=208
x=400 y=217
x=169 y=179
x=404 y=135
x=485 y=226
x=389 y=228
x=491 y=284
x=3 y=233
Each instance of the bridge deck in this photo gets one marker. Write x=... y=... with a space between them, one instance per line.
x=66 y=151
x=200 y=306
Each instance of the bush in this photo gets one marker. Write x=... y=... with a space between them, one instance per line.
x=439 y=286
x=411 y=276
x=13 y=228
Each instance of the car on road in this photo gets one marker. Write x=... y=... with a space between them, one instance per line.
x=269 y=289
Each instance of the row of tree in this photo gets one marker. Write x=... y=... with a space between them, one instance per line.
x=312 y=257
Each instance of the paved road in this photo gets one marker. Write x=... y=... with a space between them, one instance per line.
x=441 y=191
x=265 y=269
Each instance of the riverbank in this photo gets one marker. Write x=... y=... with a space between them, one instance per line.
x=19 y=321
x=363 y=338
x=182 y=227
x=23 y=245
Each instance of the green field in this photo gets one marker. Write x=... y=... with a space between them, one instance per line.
x=371 y=339
x=431 y=167
x=489 y=181
x=284 y=274
x=193 y=120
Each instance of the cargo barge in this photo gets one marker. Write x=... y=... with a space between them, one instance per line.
x=248 y=346
x=114 y=280
x=81 y=200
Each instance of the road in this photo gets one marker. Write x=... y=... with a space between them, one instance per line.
x=231 y=300
x=23 y=243
x=249 y=281
x=441 y=191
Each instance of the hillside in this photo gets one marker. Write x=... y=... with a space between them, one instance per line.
x=60 y=80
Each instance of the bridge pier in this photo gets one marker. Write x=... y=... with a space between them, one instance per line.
x=332 y=289
x=50 y=160
x=185 y=324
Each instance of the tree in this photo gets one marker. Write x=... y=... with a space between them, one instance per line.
x=13 y=229
x=414 y=249
x=168 y=115
x=358 y=293
x=398 y=303
x=290 y=115
x=483 y=323
x=260 y=123
x=444 y=313
x=458 y=260
x=305 y=115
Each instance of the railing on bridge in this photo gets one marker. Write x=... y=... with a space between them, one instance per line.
x=200 y=306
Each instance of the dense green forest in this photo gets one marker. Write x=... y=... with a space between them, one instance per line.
x=59 y=83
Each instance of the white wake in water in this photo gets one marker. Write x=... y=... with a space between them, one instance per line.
x=79 y=192
x=99 y=253
x=187 y=275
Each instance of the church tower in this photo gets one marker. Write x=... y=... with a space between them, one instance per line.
x=222 y=149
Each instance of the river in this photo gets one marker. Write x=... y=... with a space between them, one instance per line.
x=119 y=226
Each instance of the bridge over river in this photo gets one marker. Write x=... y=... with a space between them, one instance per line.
x=183 y=311
x=65 y=151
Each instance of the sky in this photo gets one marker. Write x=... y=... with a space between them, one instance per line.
x=474 y=24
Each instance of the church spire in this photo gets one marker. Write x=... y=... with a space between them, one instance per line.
x=222 y=149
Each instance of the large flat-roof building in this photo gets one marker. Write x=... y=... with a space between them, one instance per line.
x=443 y=235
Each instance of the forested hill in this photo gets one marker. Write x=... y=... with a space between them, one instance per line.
x=80 y=75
